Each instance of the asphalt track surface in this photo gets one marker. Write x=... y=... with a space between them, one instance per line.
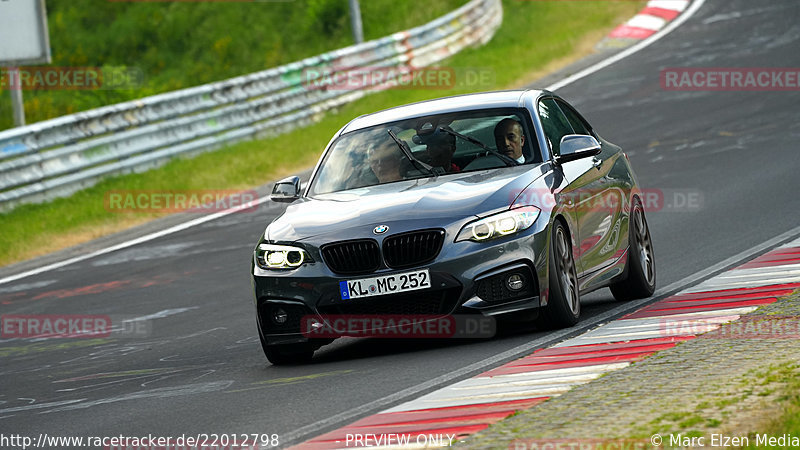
x=199 y=368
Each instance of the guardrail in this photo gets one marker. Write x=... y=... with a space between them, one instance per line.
x=60 y=156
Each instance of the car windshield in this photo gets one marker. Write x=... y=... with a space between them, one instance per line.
x=437 y=145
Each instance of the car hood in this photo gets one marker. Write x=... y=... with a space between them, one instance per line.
x=405 y=205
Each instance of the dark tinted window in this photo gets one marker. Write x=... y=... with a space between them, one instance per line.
x=554 y=122
x=575 y=119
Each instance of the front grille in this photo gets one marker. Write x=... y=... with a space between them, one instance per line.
x=351 y=257
x=413 y=248
x=414 y=303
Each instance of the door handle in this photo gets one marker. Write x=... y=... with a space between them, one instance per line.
x=597 y=162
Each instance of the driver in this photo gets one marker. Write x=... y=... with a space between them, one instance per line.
x=509 y=139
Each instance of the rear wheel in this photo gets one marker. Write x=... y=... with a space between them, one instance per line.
x=640 y=281
x=564 y=303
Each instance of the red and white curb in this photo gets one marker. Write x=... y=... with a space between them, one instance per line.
x=652 y=18
x=444 y=416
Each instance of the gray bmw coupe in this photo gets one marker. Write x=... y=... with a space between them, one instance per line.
x=500 y=204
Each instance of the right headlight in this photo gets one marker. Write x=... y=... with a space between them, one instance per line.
x=271 y=257
x=497 y=225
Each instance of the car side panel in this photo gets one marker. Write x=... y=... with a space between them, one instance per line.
x=606 y=260
x=598 y=206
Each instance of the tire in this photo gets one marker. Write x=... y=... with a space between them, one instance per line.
x=564 y=305
x=640 y=269
x=290 y=354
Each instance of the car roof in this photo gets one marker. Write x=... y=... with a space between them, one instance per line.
x=467 y=102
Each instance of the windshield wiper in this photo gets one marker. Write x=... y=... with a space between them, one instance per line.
x=508 y=161
x=420 y=165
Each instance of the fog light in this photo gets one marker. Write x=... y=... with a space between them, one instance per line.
x=515 y=282
x=279 y=316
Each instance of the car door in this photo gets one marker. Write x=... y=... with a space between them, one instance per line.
x=601 y=203
x=583 y=179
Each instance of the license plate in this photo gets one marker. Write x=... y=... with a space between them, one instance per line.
x=388 y=284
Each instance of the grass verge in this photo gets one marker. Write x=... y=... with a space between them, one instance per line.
x=786 y=378
x=535 y=36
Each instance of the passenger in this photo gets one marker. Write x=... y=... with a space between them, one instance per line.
x=385 y=160
x=440 y=149
x=509 y=139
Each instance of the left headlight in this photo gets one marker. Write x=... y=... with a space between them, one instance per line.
x=269 y=256
x=497 y=225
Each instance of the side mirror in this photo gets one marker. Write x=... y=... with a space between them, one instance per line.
x=577 y=146
x=286 y=190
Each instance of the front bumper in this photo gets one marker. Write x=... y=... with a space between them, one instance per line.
x=466 y=278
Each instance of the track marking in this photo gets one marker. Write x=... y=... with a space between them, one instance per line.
x=696 y=4
x=146 y=238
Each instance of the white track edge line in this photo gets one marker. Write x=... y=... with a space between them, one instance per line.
x=148 y=237
x=688 y=13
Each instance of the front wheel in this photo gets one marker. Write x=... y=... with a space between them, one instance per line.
x=640 y=281
x=564 y=304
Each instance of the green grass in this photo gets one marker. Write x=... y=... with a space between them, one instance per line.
x=787 y=380
x=782 y=381
x=533 y=36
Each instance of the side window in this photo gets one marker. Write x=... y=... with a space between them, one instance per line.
x=578 y=124
x=554 y=122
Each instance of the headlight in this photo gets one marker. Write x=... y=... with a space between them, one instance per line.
x=502 y=224
x=270 y=256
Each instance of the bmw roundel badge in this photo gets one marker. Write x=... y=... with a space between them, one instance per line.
x=380 y=229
